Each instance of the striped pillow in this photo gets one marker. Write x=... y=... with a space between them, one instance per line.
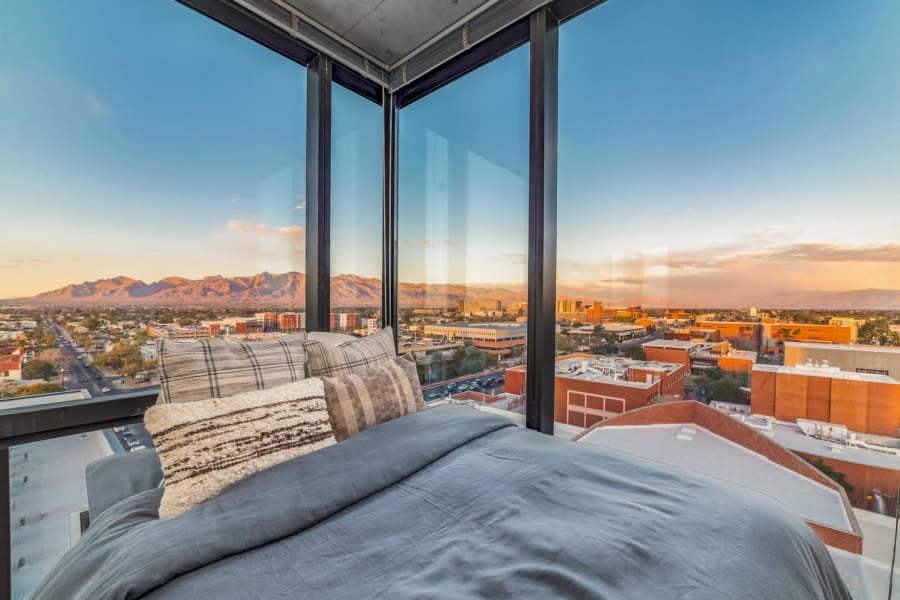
x=214 y=368
x=354 y=356
x=208 y=445
x=358 y=401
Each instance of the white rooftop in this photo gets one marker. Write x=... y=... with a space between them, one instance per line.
x=694 y=448
x=40 y=399
x=844 y=347
x=673 y=344
x=791 y=437
x=54 y=489
x=825 y=372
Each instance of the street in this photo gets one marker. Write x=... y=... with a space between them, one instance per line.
x=78 y=375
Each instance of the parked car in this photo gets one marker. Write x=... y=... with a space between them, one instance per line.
x=138 y=447
x=105 y=390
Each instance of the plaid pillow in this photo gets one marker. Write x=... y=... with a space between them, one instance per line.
x=359 y=401
x=214 y=368
x=354 y=356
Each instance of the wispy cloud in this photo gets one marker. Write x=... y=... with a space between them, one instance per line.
x=835 y=253
x=291 y=232
x=15 y=263
x=725 y=256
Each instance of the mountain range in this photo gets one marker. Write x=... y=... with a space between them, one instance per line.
x=281 y=290
x=286 y=290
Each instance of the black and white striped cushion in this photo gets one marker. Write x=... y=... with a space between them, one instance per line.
x=214 y=368
x=355 y=356
x=208 y=445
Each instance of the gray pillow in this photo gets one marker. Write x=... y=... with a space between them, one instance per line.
x=355 y=356
x=114 y=478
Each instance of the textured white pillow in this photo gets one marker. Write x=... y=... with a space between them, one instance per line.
x=207 y=445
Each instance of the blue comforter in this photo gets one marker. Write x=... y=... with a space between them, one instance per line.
x=453 y=503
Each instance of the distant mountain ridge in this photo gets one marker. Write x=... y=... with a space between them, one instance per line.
x=287 y=290
x=280 y=290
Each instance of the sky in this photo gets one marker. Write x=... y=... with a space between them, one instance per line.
x=710 y=154
x=169 y=147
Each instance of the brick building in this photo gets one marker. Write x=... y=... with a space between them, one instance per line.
x=589 y=389
x=861 y=401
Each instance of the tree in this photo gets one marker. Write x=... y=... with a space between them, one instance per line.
x=603 y=342
x=126 y=359
x=563 y=343
x=726 y=389
x=635 y=352
x=38 y=369
x=92 y=323
x=835 y=475
x=37 y=388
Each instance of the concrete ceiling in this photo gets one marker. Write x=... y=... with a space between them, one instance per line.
x=388 y=30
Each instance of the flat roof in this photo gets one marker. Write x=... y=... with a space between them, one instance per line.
x=792 y=437
x=705 y=452
x=748 y=354
x=844 y=347
x=672 y=344
x=503 y=326
x=619 y=327
x=570 y=367
x=41 y=399
x=56 y=487
x=825 y=372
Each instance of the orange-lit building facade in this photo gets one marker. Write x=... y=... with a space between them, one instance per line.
x=589 y=389
x=862 y=402
x=731 y=330
x=769 y=334
x=737 y=361
x=291 y=321
x=781 y=331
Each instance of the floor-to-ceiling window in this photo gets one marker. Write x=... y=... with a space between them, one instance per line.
x=728 y=216
x=463 y=233
x=356 y=213
x=153 y=167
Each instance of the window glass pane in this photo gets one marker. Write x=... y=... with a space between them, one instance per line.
x=729 y=205
x=153 y=181
x=356 y=213
x=463 y=233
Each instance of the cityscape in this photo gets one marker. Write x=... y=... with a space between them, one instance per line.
x=726 y=257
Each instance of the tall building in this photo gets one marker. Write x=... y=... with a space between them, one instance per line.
x=343 y=320
x=291 y=321
x=269 y=320
x=861 y=402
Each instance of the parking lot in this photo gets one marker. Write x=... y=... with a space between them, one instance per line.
x=488 y=383
x=133 y=437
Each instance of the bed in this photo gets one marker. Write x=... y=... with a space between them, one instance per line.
x=449 y=503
